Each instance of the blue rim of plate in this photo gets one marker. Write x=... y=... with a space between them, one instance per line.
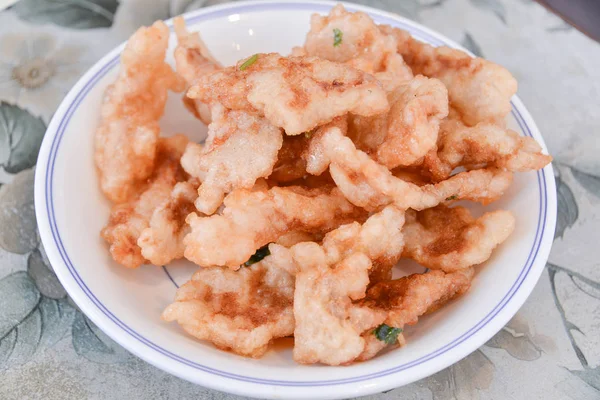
x=241 y=8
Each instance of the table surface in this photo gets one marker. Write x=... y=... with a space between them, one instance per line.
x=549 y=350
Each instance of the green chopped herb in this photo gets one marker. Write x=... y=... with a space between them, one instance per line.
x=259 y=255
x=387 y=334
x=337 y=37
x=453 y=197
x=251 y=60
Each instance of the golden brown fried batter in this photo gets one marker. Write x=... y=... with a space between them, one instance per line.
x=354 y=39
x=162 y=241
x=294 y=93
x=252 y=219
x=408 y=298
x=192 y=57
x=451 y=239
x=359 y=42
x=379 y=237
x=490 y=145
x=241 y=311
x=479 y=89
x=372 y=186
x=409 y=130
x=127 y=137
x=192 y=60
x=240 y=149
x=482 y=185
x=128 y=220
x=482 y=145
x=394 y=72
x=329 y=327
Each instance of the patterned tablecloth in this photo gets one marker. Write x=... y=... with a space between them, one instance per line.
x=549 y=350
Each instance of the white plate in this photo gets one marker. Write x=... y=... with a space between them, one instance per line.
x=126 y=304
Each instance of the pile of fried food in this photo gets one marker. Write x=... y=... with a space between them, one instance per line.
x=321 y=171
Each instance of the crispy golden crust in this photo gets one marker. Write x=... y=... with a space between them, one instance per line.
x=162 y=241
x=240 y=149
x=192 y=60
x=293 y=93
x=482 y=145
x=329 y=327
x=370 y=185
x=479 y=89
x=451 y=239
x=127 y=137
x=241 y=311
x=360 y=44
x=404 y=135
x=128 y=220
x=252 y=219
x=408 y=298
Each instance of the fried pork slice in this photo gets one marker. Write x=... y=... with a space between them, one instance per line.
x=380 y=238
x=192 y=57
x=367 y=184
x=162 y=241
x=482 y=144
x=405 y=300
x=394 y=72
x=240 y=149
x=126 y=139
x=251 y=219
x=293 y=93
x=408 y=298
x=193 y=60
x=128 y=220
x=241 y=311
x=451 y=239
x=479 y=90
x=329 y=326
x=354 y=39
x=409 y=130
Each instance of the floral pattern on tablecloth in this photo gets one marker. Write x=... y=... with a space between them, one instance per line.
x=549 y=350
